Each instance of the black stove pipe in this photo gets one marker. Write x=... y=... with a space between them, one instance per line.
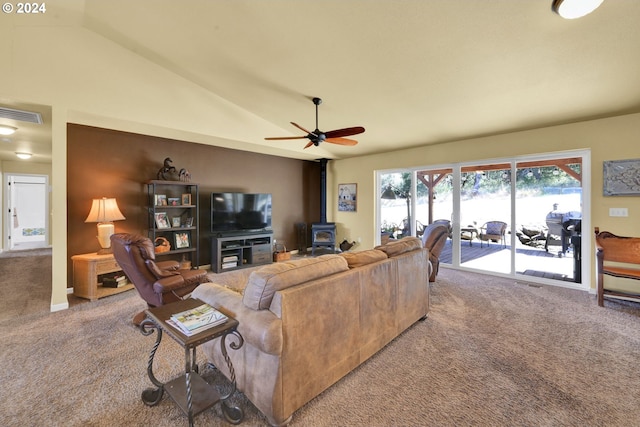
x=323 y=190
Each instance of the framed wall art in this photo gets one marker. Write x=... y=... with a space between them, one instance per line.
x=621 y=177
x=347 y=197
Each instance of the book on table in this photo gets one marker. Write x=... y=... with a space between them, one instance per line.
x=197 y=319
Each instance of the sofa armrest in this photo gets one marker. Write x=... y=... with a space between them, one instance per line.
x=260 y=328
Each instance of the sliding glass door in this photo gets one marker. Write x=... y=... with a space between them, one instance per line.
x=485 y=217
x=549 y=218
x=517 y=217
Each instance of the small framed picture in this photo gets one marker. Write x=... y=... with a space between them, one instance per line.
x=160 y=200
x=182 y=240
x=188 y=222
x=162 y=221
x=173 y=201
x=175 y=222
x=186 y=199
x=347 y=197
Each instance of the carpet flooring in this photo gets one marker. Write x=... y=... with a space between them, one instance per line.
x=493 y=352
x=25 y=283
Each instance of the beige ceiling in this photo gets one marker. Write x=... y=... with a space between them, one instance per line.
x=412 y=72
x=30 y=138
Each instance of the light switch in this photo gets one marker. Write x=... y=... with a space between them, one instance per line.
x=618 y=212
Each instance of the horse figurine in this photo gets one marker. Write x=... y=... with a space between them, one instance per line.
x=167 y=171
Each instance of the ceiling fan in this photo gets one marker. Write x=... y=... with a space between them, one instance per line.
x=317 y=136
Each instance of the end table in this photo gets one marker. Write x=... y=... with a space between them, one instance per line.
x=190 y=391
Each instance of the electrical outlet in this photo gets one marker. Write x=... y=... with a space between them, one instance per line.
x=618 y=212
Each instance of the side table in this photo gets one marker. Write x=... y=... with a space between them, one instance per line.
x=87 y=275
x=467 y=233
x=190 y=391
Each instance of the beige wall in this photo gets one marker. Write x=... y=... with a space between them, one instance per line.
x=608 y=139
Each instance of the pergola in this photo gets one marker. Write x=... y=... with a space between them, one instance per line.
x=430 y=178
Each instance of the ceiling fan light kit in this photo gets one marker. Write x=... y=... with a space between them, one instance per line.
x=317 y=136
x=572 y=9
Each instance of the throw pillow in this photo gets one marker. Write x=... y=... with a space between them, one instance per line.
x=406 y=244
x=358 y=259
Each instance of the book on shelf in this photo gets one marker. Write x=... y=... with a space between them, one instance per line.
x=231 y=264
x=116 y=281
x=230 y=258
x=198 y=319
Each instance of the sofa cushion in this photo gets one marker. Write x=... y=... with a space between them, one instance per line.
x=406 y=244
x=265 y=282
x=360 y=258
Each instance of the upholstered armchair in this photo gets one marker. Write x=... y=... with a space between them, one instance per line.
x=158 y=283
x=434 y=238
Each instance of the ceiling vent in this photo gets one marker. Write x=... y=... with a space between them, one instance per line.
x=20 y=115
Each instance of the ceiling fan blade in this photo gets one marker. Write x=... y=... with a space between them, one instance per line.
x=338 y=133
x=308 y=145
x=277 y=138
x=341 y=141
x=300 y=127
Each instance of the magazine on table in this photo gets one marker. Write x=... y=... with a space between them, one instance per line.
x=197 y=319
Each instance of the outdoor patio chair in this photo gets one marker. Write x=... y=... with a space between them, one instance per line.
x=493 y=231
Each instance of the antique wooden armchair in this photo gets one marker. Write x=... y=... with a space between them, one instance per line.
x=616 y=256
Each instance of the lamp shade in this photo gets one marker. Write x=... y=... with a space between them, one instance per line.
x=104 y=210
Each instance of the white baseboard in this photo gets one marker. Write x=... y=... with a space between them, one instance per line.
x=59 y=307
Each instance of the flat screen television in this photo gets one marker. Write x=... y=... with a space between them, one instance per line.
x=240 y=212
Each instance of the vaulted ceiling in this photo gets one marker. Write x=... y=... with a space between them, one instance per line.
x=412 y=72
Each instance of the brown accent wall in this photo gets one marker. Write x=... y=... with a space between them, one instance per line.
x=109 y=163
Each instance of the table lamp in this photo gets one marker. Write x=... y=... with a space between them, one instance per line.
x=104 y=211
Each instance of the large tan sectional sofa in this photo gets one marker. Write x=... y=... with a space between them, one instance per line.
x=307 y=323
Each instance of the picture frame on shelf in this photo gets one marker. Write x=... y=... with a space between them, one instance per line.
x=162 y=221
x=182 y=240
x=186 y=199
x=175 y=222
x=160 y=200
x=188 y=222
x=173 y=201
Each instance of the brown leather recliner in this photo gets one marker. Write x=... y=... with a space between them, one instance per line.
x=434 y=238
x=158 y=283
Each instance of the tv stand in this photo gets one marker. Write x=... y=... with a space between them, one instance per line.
x=231 y=252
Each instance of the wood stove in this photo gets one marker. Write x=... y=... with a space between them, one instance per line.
x=323 y=233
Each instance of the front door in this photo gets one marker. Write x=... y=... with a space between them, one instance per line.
x=27 y=202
